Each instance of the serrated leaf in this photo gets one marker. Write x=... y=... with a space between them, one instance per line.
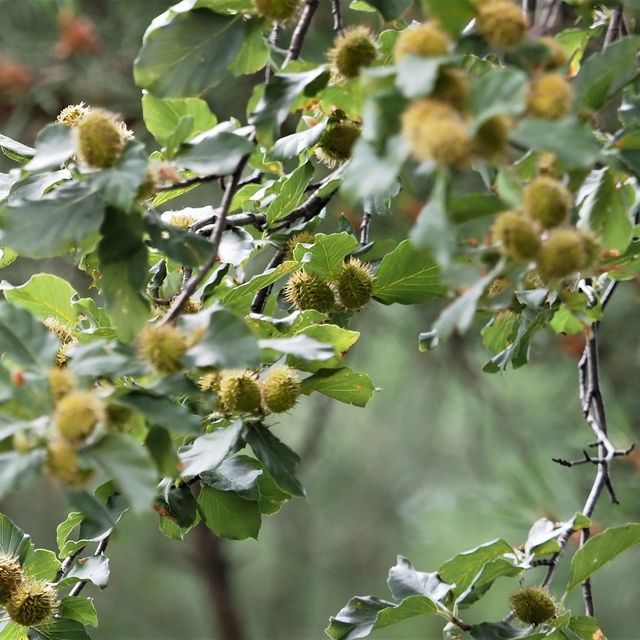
x=345 y=385
x=407 y=276
x=44 y=295
x=600 y=550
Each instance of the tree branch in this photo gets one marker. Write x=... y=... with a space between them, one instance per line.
x=300 y=33
x=529 y=8
x=260 y=299
x=615 y=26
x=336 y=12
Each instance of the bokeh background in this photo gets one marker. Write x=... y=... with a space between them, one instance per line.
x=443 y=459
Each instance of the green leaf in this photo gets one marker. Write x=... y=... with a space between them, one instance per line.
x=416 y=75
x=499 y=91
x=407 y=276
x=238 y=474
x=54 y=224
x=94 y=569
x=239 y=298
x=105 y=358
x=183 y=246
x=215 y=154
x=279 y=459
x=55 y=144
x=484 y=580
x=280 y=92
x=325 y=257
x=229 y=515
x=291 y=193
x=18 y=469
x=605 y=209
x=162 y=411
x=572 y=142
x=183 y=54
x=364 y=614
x=600 y=550
x=120 y=184
x=12 y=631
x=13 y=541
x=300 y=346
x=123 y=272
x=59 y=629
x=44 y=295
x=41 y=564
x=254 y=53
x=24 y=340
x=226 y=343
x=162 y=117
x=341 y=339
x=604 y=74
x=291 y=146
x=463 y=568
x=453 y=16
x=81 y=610
x=405 y=581
x=127 y=463
x=15 y=150
x=209 y=450
x=390 y=9
x=584 y=627
x=345 y=385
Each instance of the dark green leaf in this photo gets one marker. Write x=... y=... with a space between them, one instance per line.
x=182 y=505
x=573 y=143
x=416 y=76
x=390 y=9
x=238 y=474
x=185 y=53
x=279 y=459
x=499 y=91
x=162 y=411
x=229 y=515
x=216 y=154
x=55 y=144
x=127 y=463
x=58 y=629
x=291 y=193
x=209 y=450
x=161 y=448
x=123 y=271
x=54 y=224
x=105 y=358
x=180 y=245
x=453 y=16
x=254 y=53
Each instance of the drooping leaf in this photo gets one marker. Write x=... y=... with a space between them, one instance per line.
x=406 y=581
x=254 y=53
x=94 y=569
x=59 y=629
x=228 y=514
x=41 y=564
x=128 y=464
x=209 y=450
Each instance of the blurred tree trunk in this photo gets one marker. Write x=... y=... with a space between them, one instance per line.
x=211 y=561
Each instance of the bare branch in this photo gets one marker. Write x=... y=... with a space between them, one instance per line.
x=365 y=226
x=336 y=12
x=301 y=30
x=260 y=299
x=615 y=26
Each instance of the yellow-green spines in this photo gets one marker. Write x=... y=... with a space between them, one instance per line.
x=557 y=55
x=492 y=138
x=210 y=381
x=561 y=255
x=501 y=23
x=77 y=415
x=355 y=284
x=240 y=392
x=305 y=291
x=10 y=576
x=278 y=10
x=62 y=463
x=517 y=235
x=436 y=131
x=550 y=96
x=32 y=602
x=548 y=201
x=352 y=50
x=336 y=142
x=304 y=237
x=72 y=114
x=533 y=605
x=451 y=86
x=101 y=139
x=280 y=389
x=426 y=40
x=61 y=382
x=162 y=346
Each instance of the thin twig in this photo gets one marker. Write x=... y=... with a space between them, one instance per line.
x=365 y=226
x=336 y=12
x=260 y=299
x=529 y=8
x=615 y=25
x=300 y=32
x=273 y=42
x=216 y=236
